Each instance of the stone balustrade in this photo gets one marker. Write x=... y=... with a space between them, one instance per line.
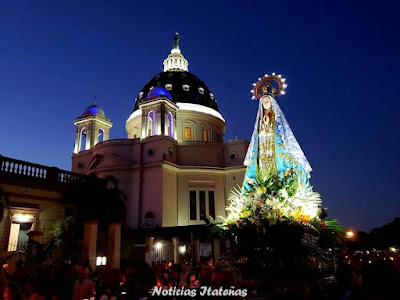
x=15 y=168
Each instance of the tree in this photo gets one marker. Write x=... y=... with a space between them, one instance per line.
x=98 y=199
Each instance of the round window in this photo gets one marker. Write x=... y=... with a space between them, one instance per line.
x=233 y=156
x=81 y=164
x=151 y=152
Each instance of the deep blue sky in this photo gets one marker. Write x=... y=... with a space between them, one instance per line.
x=341 y=61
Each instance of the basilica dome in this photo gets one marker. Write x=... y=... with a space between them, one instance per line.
x=176 y=103
x=183 y=86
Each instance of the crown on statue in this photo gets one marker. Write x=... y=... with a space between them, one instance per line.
x=272 y=85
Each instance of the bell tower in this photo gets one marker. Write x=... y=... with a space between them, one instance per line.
x=92 y=127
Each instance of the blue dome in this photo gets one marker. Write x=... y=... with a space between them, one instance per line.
x=158 y=92
x=93 y=110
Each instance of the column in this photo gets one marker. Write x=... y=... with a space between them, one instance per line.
x=196 y=250
x=217 y=250
x=175 y=243
x=114 y=246
x=149 y=244
x=90 y=242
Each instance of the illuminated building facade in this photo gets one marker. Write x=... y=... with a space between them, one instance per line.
x=174 y=166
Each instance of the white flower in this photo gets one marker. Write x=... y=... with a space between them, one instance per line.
x=284 y=193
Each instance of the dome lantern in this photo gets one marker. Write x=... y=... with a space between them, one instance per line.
x=175 y=60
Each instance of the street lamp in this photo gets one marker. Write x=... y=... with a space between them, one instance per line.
x=350 y=234
x=158 y=246
x=182 y=249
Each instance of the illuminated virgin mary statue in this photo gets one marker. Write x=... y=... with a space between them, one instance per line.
x=273 y=144
x=276 y=184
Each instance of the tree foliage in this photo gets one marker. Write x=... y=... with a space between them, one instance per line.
x=99 y=199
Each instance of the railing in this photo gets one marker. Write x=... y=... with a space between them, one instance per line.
x=10 y=167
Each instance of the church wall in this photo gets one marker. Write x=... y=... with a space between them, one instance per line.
x=43 y=203
x=134 y=127
x=132 y=215
x=235 y=152
x=170 y=198
x=199 y=180
x=200 y=154
x=152 y=193
x=200 y=120
x=233 y=179
x=81 y=157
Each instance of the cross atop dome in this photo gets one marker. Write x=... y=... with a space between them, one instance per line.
x=175 y=60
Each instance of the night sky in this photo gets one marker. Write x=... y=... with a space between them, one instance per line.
x=340 y=58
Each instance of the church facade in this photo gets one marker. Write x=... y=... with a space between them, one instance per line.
x=174 y=166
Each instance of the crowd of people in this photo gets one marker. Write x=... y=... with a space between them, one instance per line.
x=359 y=275
x=62 y=281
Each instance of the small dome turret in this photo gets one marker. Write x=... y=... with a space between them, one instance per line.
x=93 y=110
x=158 y=92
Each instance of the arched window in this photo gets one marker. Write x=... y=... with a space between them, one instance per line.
x=82 y=142
x=206 y=133
x=170 y=125
x=101 y=135
x=151 y=124
x=149 y=215
x=188 y=127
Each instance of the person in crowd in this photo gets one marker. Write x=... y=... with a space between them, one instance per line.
x=153 y=267
x=183 y=277
x=110 y=292
x=30 y=291
x=12 y=292
x=19 y=274
x=84 y=287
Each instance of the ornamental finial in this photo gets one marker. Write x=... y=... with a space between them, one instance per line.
x=175 y=60
x=176 y=42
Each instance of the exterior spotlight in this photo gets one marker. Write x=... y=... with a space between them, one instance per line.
x=254 y=84
x=283 y=93
x=285 y=85
x=182 y=249
x=283 y=79
x=158 y=246
x=101 y=260
x=393 y=249
x=23 y=218
x=350 y=234
x=266 y=75
x=98 y=261
x=273 y=74
x=251 y=91
x=279 y=75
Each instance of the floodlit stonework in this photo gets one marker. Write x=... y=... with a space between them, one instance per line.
x=174 y=166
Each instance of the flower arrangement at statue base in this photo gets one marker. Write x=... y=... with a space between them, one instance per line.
x=277 y=216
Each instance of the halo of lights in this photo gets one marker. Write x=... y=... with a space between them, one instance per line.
x=263 y=86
